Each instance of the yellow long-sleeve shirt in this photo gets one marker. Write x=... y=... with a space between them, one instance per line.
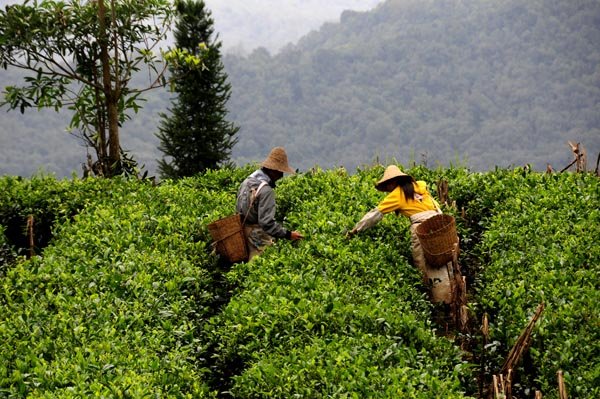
x=396 y=201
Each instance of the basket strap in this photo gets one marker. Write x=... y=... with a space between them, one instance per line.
x=254 y=195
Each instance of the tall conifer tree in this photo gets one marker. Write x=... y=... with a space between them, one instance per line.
x=196 y=136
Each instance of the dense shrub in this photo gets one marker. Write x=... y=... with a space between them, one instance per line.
x=112 y=306
x=541 y=247
x=126 y=298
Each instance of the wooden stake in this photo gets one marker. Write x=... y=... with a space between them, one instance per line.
x=519 y=347
x=443 y=192
x=30 y=236
x=496 y=392
x=562 y=389
x=522 y=342
x=485 y=328
x=508 y=387
x=485 y=332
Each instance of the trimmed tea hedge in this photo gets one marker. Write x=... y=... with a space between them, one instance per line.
x=125 y=297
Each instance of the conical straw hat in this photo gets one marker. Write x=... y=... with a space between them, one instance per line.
x=277 y=160
x=390 y=173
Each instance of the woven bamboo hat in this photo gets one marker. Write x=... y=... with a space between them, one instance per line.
x=277 y=160
x=391 y=172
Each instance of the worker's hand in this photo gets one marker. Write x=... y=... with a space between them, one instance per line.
x=351 y=233
x=295 y=236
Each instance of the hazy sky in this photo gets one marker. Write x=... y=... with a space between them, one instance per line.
x=244 y=25
x=248 y=24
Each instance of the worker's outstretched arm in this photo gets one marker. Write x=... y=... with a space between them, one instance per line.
x=369 y=220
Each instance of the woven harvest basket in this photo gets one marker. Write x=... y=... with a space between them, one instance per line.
x=229 y=238
x=437 y=236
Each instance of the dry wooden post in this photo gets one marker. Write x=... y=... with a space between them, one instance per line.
x=485 y=332
x=502 y=387
x=497 y=391
x=562 y=389
x=508 y=387
x=30 y=236
x=582 y=163
x=459 y=295
x=522 y=342
x=458 y=292
x=443 y=191
x=579 y=160
x=520 y=345
x=464 y=310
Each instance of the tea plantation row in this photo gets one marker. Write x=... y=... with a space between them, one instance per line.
x=126 y=299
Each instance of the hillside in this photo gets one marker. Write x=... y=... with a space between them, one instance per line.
x=124 y=297
x=479 y=83
x=487 y=82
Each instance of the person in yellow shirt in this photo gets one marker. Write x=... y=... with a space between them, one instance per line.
x=407 y=197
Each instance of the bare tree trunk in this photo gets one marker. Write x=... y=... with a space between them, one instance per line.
x=111 y=97
x=100 y=144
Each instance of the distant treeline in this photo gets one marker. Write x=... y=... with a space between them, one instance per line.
x=484 y=82
x=480 y=83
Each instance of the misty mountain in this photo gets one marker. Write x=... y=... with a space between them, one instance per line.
x=486 y=83
x=483 y=83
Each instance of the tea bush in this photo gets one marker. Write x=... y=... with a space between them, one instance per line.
x=332 y=317
x=112 y=307
x=542 y=247
x=126 y=298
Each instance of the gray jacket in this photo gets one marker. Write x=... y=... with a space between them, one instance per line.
x=263 y=208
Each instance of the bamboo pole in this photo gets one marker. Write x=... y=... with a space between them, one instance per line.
x=485 y=332
x=508 y=387
x=522 y=342
x=30 y=236
x=562 y=389
x=516 y=352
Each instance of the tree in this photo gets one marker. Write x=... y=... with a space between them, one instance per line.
x=196 y=136
x=83 y=55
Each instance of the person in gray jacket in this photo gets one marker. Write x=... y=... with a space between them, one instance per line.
x=256 y=203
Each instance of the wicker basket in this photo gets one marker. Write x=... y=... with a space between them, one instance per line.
x=437 y=236
x=229 y=238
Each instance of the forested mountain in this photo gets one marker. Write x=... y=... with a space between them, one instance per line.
x=485 y=83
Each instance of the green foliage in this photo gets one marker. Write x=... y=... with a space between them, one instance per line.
x=112 y=306
x=7 y=253
x=309 y=317
x=541 y=248
x=349 y=366
x=127 y=298
x=82 y=55
x=196 y=136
